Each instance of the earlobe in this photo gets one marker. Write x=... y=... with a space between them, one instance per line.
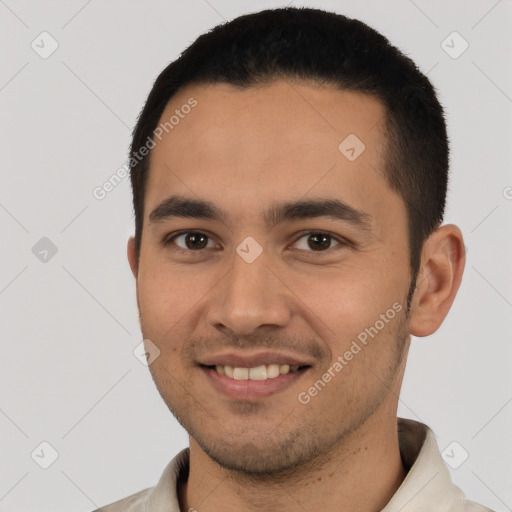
x=132 y=256
x=442 y=265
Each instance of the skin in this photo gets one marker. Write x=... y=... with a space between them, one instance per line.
x=243 y=150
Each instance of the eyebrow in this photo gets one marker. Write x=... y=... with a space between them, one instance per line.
x=180 y=206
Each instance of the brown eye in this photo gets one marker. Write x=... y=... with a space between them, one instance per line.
x=196 y=240
x=190 y=240
x=317 y=242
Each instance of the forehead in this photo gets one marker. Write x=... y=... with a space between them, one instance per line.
x=288 y=139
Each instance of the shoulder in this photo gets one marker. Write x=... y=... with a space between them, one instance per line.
x=163 y=494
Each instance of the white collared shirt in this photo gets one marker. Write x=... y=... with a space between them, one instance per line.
x=427 y=486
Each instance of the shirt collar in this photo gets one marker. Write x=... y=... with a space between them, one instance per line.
x=427 y=485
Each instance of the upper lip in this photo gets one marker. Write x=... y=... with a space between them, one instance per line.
x=251 y=360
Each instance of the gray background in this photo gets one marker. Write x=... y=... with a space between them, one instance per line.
x=68 y=375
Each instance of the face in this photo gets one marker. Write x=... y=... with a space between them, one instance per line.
x=282 y=245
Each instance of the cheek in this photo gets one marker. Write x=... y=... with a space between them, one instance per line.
x=358 y=320
x=167 y=299
x=347 y=303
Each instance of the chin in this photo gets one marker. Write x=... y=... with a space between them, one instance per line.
x=251 y=459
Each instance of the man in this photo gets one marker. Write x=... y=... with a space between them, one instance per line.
x=289 y=176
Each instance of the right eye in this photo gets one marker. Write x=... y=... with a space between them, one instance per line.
x=193 y=241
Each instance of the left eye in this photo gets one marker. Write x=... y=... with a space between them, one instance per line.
x=317 y=241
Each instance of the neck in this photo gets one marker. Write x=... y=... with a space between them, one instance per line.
x=362 y=472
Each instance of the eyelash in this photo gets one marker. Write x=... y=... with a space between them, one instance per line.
x=341 y=241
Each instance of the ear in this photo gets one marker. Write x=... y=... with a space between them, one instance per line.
x=132 y=256
x=132 y=260
x=442 y=264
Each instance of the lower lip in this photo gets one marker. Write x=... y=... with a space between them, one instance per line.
x=251 y=389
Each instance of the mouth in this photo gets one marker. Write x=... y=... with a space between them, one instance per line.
x=255 y=383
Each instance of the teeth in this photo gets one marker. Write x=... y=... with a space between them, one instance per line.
x=272 y=371
x=257 y=373
x=240 y=373
x=262 y=372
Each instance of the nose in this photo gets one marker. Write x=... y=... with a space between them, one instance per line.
x=250 y=296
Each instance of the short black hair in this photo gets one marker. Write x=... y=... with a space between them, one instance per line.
x=330 y=49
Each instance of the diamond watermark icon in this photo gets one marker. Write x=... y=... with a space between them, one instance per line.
x=44 y=455
x=351 y=147
x=249 y=249
x=44 y=250
x=454 y=45
x=44 y=45
x=146 y=352
x=455 y=455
